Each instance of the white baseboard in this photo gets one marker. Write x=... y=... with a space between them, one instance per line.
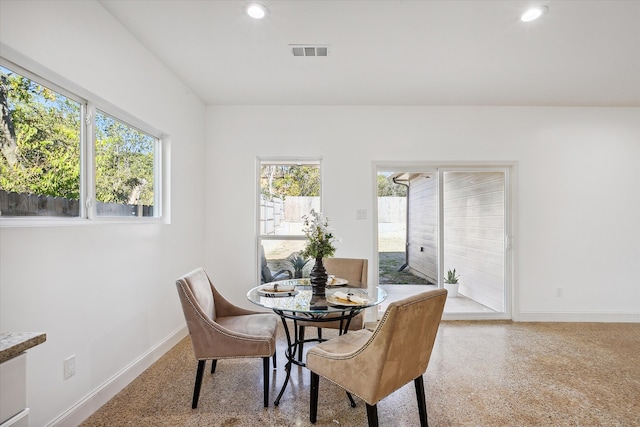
x=475 y=316
x=533 y=316
x=105 y=392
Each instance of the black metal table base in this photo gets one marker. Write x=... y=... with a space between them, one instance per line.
x=294 y=345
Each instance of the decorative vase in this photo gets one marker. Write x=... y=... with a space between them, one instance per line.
x=318 y=278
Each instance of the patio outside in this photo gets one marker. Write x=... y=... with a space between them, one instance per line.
x=401 y=284
x=392 y=256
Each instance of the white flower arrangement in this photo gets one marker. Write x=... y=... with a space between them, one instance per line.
x=320 y=236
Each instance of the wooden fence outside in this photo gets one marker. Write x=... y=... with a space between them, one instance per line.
x=271 y=212
x=22 y=204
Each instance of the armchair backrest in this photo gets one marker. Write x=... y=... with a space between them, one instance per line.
x=197 y=294
x=400 y=347
x=352 y=269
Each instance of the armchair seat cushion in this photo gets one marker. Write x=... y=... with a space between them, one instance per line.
x=336 y=348
x=252 y=325
x=249 y=335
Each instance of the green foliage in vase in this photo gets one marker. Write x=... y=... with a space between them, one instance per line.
x=320 y=237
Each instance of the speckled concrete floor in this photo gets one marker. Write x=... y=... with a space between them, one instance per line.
x=481 y=374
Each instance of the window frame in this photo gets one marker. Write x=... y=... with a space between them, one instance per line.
x=88 y=105
x=90 y=159
x=509 y=170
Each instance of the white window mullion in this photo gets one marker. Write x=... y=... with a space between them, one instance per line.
x=440 y=228
x=157 y=179
x=89 y=163
x=83 y=159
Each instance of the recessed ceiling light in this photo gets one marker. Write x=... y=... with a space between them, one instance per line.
x=533 y=13
x=257 y=10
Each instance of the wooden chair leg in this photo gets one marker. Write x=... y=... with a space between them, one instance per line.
x=372 y=415
x=196 y=389
x=213 y=365
x=422 y=406
x=313 y=407
x=265 y=372
x=301 y=344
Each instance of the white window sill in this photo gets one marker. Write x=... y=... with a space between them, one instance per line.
x=16 y=222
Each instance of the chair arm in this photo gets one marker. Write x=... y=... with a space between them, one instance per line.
x=225 y=308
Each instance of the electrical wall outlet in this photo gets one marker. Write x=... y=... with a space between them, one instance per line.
x=558 y=292
x=69 y=366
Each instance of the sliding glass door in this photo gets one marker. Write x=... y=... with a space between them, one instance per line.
x=454 y=219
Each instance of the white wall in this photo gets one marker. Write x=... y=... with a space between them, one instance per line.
x=577 y=195
x=105 y=293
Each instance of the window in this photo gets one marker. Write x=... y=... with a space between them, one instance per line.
x=124 y=158
x=46 y=133
x=40 y=140
x=287 y=190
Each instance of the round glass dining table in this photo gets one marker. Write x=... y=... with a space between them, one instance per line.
x=293 y=300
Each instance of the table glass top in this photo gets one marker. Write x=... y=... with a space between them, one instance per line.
x=295 y=296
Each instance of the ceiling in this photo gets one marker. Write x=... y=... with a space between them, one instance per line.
x=394 y=52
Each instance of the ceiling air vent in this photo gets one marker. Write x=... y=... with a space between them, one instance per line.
x=309 y=50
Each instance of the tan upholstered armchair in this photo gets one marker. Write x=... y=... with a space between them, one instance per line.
x=372 y=365
x=355 y=271
x=220 y=330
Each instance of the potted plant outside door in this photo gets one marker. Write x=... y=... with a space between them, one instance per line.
x=451 y=283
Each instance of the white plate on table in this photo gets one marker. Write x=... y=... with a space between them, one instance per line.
x=333 y=300
x=269 y=290
x=336 y=281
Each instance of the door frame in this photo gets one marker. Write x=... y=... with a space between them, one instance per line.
x=510 y=254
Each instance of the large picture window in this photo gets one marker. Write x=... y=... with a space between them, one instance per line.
x=287 y=190
x=45 y=134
